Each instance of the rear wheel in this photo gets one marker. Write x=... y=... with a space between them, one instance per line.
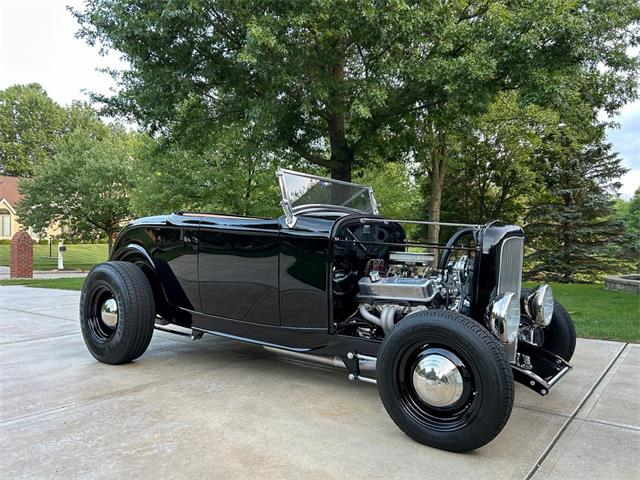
x=559 y=337
x=445 y=381
x=117 y=312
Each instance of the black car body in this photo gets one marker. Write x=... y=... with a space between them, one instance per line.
x=330 y=280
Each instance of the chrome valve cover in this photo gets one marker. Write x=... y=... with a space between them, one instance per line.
x=397 y=288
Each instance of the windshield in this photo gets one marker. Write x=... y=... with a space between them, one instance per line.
x=301 y=190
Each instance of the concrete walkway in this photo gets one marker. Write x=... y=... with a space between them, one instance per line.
x=46 y=274
x=221 y=409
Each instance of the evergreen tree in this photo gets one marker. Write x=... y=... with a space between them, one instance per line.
x=571 y=224
x=629 y=214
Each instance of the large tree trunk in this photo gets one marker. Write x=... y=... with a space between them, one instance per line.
x=438 y=171
x=110 y=240
x=342 y=154
x=248 y=189
x=435 y=203
x=342 y=171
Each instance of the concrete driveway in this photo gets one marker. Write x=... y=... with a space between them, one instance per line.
x=221 y=409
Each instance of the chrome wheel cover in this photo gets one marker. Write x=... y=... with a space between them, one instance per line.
x=437 y=381
x=102 y=314
x=109 y=312
x=437 y=386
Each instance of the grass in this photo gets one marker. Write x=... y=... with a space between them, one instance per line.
x=74 y=283
x=597 y=313
x=600 y=313
x=77 y=257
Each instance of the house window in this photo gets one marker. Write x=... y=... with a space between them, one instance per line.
x=5 y=223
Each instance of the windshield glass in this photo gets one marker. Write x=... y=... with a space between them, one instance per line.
x=302 y=190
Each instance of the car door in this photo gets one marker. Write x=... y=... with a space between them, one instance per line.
x=304 y=266
x=238 y=268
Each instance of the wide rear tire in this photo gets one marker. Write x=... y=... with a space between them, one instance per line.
x=117 y=312
x=460 y=412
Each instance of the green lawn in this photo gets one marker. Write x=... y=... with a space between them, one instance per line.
x=597 y=313
x=77 y=257
x=600 y=313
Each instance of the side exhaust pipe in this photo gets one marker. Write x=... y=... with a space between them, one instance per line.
x=366 y=364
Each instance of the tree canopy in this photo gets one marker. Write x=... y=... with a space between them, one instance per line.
x=30 y=124
x=230 y=176
x=84 y=188
x=502 y=98
x=492 y=163
x=326 y=79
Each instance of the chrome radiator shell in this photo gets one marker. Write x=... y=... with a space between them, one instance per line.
x=510 y=264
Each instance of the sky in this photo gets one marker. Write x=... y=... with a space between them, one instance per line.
x=37 y=44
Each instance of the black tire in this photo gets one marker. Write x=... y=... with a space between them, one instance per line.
x=559 y=337
x=485 y=404
x=127 y=285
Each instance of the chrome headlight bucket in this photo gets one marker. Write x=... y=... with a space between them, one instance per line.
x=504 y=317
x=539 y=305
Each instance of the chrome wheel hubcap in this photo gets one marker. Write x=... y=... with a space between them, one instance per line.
x=109 y=312
x=437 y=381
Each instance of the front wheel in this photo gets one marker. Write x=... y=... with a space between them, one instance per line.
x=445 y=381
x=559 y=337
x=117 y=312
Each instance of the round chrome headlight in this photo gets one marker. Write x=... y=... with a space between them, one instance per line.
x=505 y=317
x=540 y=305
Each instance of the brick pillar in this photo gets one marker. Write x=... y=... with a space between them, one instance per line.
x=21 y=256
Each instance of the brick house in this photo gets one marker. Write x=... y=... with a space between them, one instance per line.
x=9 y=198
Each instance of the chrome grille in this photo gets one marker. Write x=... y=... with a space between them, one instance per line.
x=510 y=266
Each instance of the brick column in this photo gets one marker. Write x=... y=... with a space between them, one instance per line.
x=21 y=256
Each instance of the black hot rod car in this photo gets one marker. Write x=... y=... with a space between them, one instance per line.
x=444 y=330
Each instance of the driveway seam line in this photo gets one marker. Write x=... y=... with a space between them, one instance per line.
x=100 y=397
x=573 y=415
x=609 y=424
x=37 y=414
x=39 y=339
x=39 y=314
x=538 y=410
x=90 y=399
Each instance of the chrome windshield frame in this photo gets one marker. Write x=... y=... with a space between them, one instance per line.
x=290 y=211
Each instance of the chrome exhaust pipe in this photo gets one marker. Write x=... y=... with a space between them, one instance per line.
x=366 y=364
x=335 y=362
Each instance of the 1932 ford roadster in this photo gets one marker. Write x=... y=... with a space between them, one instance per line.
x=444 y=330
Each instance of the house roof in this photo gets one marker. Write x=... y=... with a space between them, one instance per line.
x=9 y=190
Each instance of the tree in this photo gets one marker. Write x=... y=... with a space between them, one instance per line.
x=228 y=176
x=629 y=214
x=571 y=225
x=395 y=189
x=84 y=188
x=492 y=171
x=30 y=124
x=82 y=116
x=556 y=71
x=326 y=79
